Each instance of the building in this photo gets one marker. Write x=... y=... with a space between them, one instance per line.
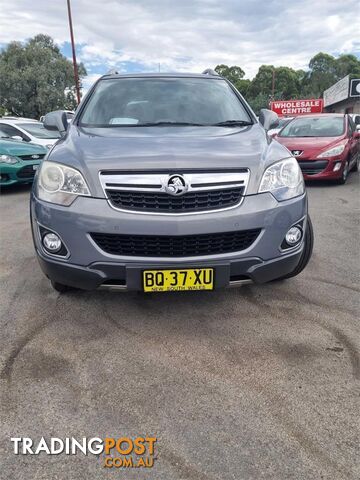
x=343 y=96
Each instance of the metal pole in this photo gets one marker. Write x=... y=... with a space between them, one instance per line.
x=273 y=85
x=76 y=73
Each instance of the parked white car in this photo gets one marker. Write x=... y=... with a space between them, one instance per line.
x=356 y=119
x=282 y=122
x=29 y=131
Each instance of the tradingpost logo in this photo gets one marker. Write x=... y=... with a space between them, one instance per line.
x=122 y=452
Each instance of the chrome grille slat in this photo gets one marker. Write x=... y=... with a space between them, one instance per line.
x=145 y=192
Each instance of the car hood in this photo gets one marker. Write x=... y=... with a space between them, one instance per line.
x=168 y=148
x=17 y=147
x=310 y=146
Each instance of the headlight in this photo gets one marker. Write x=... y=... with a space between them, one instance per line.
x=332 y=152
x=60 y=184
x=283 y=180
x=8 y=159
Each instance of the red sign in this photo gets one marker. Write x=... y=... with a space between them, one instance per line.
x=297 y=107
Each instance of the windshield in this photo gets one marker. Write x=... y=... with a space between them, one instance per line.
x=283 y=122
x=148 y=101
x=314 y=127
x=38 y=130
x=3 y=134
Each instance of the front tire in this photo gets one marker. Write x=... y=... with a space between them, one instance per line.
x=356 y=166
x=344 y=175
x=306 y=254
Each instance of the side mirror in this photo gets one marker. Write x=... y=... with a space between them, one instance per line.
x=56 y=121
x=268 y=119
x=356 y=134
x=17 y=137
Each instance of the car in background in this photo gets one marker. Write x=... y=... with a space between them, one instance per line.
x=326 y=145
x=18 y=160
x=28 y=130
x=356 y=119
x=282 y=123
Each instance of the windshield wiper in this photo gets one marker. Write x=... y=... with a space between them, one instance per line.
x=231 y=123
x=177 y=124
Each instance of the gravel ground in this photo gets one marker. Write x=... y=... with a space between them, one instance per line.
x=249 y=383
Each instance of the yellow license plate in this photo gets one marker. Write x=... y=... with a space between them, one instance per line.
x=178 y=280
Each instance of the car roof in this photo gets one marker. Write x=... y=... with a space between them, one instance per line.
x=162 y=75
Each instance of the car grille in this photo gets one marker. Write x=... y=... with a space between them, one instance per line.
x=162 y=202
x=175 y=246
x=26 y=172
x=40 y=156
x=150 y=192
x=312 y=167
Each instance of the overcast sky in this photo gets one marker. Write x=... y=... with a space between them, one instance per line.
x=188 y=35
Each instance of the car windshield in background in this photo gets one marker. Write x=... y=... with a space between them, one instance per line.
x=163 y=101
x=283 y=122
x=3 y=134
x=314 y=127
x=38 y=130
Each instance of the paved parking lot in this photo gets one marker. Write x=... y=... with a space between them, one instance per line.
x=249 y=383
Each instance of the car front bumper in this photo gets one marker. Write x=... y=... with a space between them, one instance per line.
x=322 y=169
x=21 y=172
x=88 y=267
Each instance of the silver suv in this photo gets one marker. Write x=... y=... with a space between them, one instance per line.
x=168 y=182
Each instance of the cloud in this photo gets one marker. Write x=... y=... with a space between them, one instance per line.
x=189 y=35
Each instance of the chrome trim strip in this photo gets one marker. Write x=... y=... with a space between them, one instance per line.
x=239 y=283
x=156 y=182
x=113 y=287
x=123 y=288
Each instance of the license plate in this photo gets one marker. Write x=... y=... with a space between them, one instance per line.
x=178 y=280
x=35 y=167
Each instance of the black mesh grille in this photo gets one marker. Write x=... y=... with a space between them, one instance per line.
x=175 y=246
x=163 y=202
x=26 y=172
x=312 y=167
x=30 y=157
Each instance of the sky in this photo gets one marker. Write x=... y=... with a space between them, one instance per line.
x=188 y=35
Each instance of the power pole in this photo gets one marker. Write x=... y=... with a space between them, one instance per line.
x=76 y=73
x=273 y=85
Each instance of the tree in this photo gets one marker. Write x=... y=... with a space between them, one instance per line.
x=324 y=71
x=36 y=78
x=233 y=74
x=322 y=74
x=347 y=65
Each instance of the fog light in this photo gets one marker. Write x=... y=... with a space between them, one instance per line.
x=293 y=236
x=337 y=166
x=51 y=242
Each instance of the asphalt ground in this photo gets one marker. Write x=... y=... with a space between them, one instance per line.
x=249 y=383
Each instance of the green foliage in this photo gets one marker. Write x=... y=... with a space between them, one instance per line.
x=324 y=71
x=36 y=78
x=347 y=64
x=233 y=74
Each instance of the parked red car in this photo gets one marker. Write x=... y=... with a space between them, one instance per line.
x=327 y=145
